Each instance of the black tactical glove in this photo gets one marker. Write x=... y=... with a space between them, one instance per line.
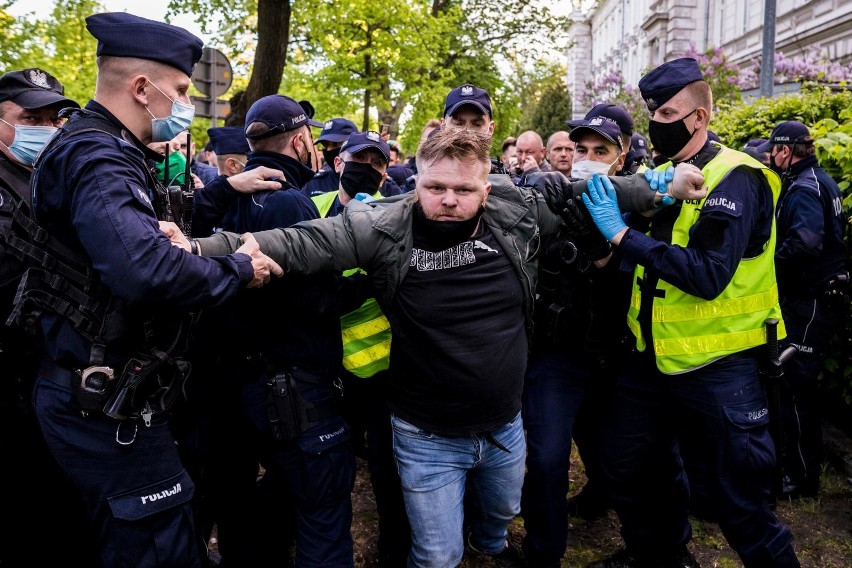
x=583 y=231
x=553 y=186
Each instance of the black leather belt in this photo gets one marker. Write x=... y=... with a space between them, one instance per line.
x=57 y=374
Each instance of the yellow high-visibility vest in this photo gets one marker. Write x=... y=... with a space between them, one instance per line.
x=365 y=330
x=690 y=332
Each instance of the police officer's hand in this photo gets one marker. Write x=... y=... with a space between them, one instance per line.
x=602 y=204
x=687 y=183
x=258 y=179
x=554 y=187
x=173 y=232
x=196 y=182
x=583 y=231
x=264 y=267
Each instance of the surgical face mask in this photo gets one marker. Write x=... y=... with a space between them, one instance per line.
x=585 y=168
x=164 y=129
x=669 y=138
x=358 y=177
x=29 y=141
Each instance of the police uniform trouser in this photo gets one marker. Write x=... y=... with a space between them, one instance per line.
x=142 y=516
x=810 y=325
x=724 y=408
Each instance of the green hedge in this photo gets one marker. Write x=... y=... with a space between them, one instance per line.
x=828 y=113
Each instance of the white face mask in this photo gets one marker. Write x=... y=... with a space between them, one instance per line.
x=585 y=168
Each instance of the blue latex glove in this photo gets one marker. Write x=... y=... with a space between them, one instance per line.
x=602 y=204
x=659 y=181
x=365 y=197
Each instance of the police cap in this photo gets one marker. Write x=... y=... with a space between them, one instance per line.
x=359 y=141
x=280 y=113
x=337 y=130
x=601 y=125
x=639 y=145
x=665 y=81
x=228 y=140
x=120 y=34
x=33 y=88
x=790 y=132
x=613 y=112
x=467 y=95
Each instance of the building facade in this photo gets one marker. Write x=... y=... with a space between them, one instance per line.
x=633 y=36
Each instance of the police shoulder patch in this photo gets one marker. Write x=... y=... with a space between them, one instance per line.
x=723 y=204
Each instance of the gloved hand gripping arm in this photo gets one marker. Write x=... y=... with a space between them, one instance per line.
x=602 y=203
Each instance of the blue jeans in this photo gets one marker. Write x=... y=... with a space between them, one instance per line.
x=435 y=470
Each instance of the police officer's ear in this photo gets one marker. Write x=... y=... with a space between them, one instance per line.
x=138 y=85
x=702 y=117
x=619 y=164
x=338 y=164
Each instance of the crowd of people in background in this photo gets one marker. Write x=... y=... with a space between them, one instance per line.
x=208 y=340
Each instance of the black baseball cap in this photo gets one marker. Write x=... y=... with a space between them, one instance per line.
x=467 y=95
x=33 y=88
x=336 y=130
x=359 y=141
x=601 y=125
x=280 y=113
x=613 y=112
x=790 y=132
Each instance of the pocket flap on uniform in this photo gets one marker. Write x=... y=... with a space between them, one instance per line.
x=324 y=436
x=154 y=498
x=748 y=416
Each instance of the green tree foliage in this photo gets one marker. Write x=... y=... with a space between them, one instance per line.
x=58 y=44
x=378 y=63
x=550 y=104
x=737 y=123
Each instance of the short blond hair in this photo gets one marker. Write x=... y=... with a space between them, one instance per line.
x=461 y=145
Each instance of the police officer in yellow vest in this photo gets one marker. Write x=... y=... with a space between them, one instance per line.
x=362 y=167
x=704 y=284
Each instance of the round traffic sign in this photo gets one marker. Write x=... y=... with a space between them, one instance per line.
x=213 y=74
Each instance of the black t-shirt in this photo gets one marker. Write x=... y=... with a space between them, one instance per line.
x=459 y=338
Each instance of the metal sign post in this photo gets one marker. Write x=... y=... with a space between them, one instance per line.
x=212 y=76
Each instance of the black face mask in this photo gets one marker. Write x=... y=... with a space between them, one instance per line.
x=330 y=155
x=308 y=161
x=780 y=169
x=358 y=177
x=444 y=234
x=669 y=138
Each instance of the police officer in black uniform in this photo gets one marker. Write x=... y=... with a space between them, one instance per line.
x=813 y=283
x=230 y=147
x=703 y=290
x=30 y=102
x=286 y=363
x=112 y=295
x=578 y=348
x=334 y=134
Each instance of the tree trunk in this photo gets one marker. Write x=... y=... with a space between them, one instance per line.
x=273 y=38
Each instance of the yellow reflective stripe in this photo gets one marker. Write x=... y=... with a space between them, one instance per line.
x=729 y=342
x=367 y=356
x=366 y=329
x=716 y=308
